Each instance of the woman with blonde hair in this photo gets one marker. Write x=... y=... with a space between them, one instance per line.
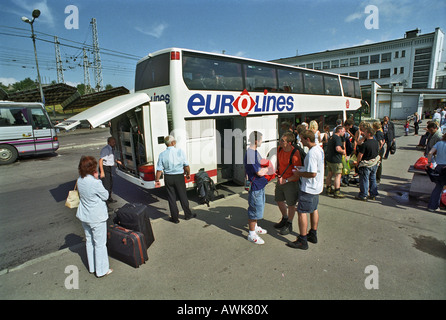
x=313 y=126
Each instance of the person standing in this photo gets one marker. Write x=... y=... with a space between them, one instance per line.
x=335 y=151
x=368 y=161
x=439 y=151
x=92 y=212
x=389 y=134
x=379 y=136
x=174 y=164
x=312 y=184
x=416 y=122
x=287 y=187
x=106 y=163
x=256 y=194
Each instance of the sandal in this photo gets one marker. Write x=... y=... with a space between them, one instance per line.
x=108 y=272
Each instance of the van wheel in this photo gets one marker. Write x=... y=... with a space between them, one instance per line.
x=8 y=154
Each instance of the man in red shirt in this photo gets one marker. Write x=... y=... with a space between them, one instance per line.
x=287 y=187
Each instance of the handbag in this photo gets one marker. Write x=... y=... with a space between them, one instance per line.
x=73 y=198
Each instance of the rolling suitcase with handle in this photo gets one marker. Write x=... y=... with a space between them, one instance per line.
x=126 y=245
x=135 y=216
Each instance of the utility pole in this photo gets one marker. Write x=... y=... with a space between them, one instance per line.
x=59 y=66
x=97 y=58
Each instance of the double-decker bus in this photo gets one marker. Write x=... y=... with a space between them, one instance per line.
x=211 y=103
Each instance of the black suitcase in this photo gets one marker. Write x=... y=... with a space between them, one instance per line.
x=126 y=245
x=135 y=216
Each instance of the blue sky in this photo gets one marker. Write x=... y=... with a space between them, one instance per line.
x=258 y=29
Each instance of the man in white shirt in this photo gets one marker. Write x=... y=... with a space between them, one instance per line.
x=106 y=163
x=312 y=184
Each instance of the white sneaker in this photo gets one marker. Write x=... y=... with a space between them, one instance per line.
x=259 y=230
x=256 y=239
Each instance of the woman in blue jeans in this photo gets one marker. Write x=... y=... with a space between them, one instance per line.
x=439 y=150
x=93 y=214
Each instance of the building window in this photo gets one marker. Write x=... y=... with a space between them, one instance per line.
x=364 y=60
x=402 y=70
x=397 y=53
x=403 y=53
x=374 y=58
x=353 y=74
x=326 y=65
x=353 y=61
x=309 y=66
x=317 y=66
x=385 y=73
x=395 y=70
x=386 y=57
x=344 y=63
x=335 y=63
x=374 y=74
x=363 y=75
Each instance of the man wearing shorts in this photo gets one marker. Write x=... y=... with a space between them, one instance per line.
x=335 y=151
x=287 y=187
x=312 y=184
x=256 y=195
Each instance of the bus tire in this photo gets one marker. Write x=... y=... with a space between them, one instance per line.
x=8 y=154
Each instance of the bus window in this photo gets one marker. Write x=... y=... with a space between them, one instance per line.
x=290 y=81
x=351 y=87
x=260 y=78
x=202 y=73
x=153 y=72
x=314 y=83
x=332 y=86
x=40 y=119
x=13 y=117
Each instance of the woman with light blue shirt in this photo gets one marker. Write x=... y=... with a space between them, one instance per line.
x=439 y=150
x=93 y=214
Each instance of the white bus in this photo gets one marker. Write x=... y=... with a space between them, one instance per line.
x=210 y=103
x=25 y=129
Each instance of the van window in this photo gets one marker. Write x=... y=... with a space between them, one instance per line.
x=13 y=117
x=40 y=120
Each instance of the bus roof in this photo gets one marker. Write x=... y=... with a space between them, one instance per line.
x=150 y=55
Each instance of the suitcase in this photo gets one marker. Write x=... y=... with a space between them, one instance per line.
x=126 y=245
x=135 y=216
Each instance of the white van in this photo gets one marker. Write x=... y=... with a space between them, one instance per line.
x=25 y=129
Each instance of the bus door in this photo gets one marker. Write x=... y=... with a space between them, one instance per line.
x=42 y=132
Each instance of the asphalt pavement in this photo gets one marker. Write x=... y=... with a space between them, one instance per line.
x=390 y=248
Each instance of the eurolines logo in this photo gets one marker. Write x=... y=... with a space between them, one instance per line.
x=244 y=104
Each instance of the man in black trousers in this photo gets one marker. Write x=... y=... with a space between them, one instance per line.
x=389 y=134
x=174 y=164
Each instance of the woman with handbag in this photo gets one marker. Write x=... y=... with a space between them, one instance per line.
x=93 y=214
x=439 y=150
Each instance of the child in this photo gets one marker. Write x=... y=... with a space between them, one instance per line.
x=406 y=128
x=256 y=195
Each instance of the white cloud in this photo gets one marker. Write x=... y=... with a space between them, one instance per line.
x=8 y=81
x=156 y=31
x=353 y=17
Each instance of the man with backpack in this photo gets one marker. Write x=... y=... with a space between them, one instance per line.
x=287 y=187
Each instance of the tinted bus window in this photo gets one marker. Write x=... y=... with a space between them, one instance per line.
x=153 y=72
x=203 y=73
x=260 y=78
x=290 y=81
x=332 y=86
x=314 y=83
x=13 y=117
x=40 y=119
x=351 y=88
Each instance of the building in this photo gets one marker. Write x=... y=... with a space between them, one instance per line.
x=413 y=62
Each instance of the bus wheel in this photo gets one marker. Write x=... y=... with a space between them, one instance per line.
x=8 y=154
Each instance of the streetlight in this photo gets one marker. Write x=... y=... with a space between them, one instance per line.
x=36 y=14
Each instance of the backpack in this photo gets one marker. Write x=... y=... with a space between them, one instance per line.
x=205 y=187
